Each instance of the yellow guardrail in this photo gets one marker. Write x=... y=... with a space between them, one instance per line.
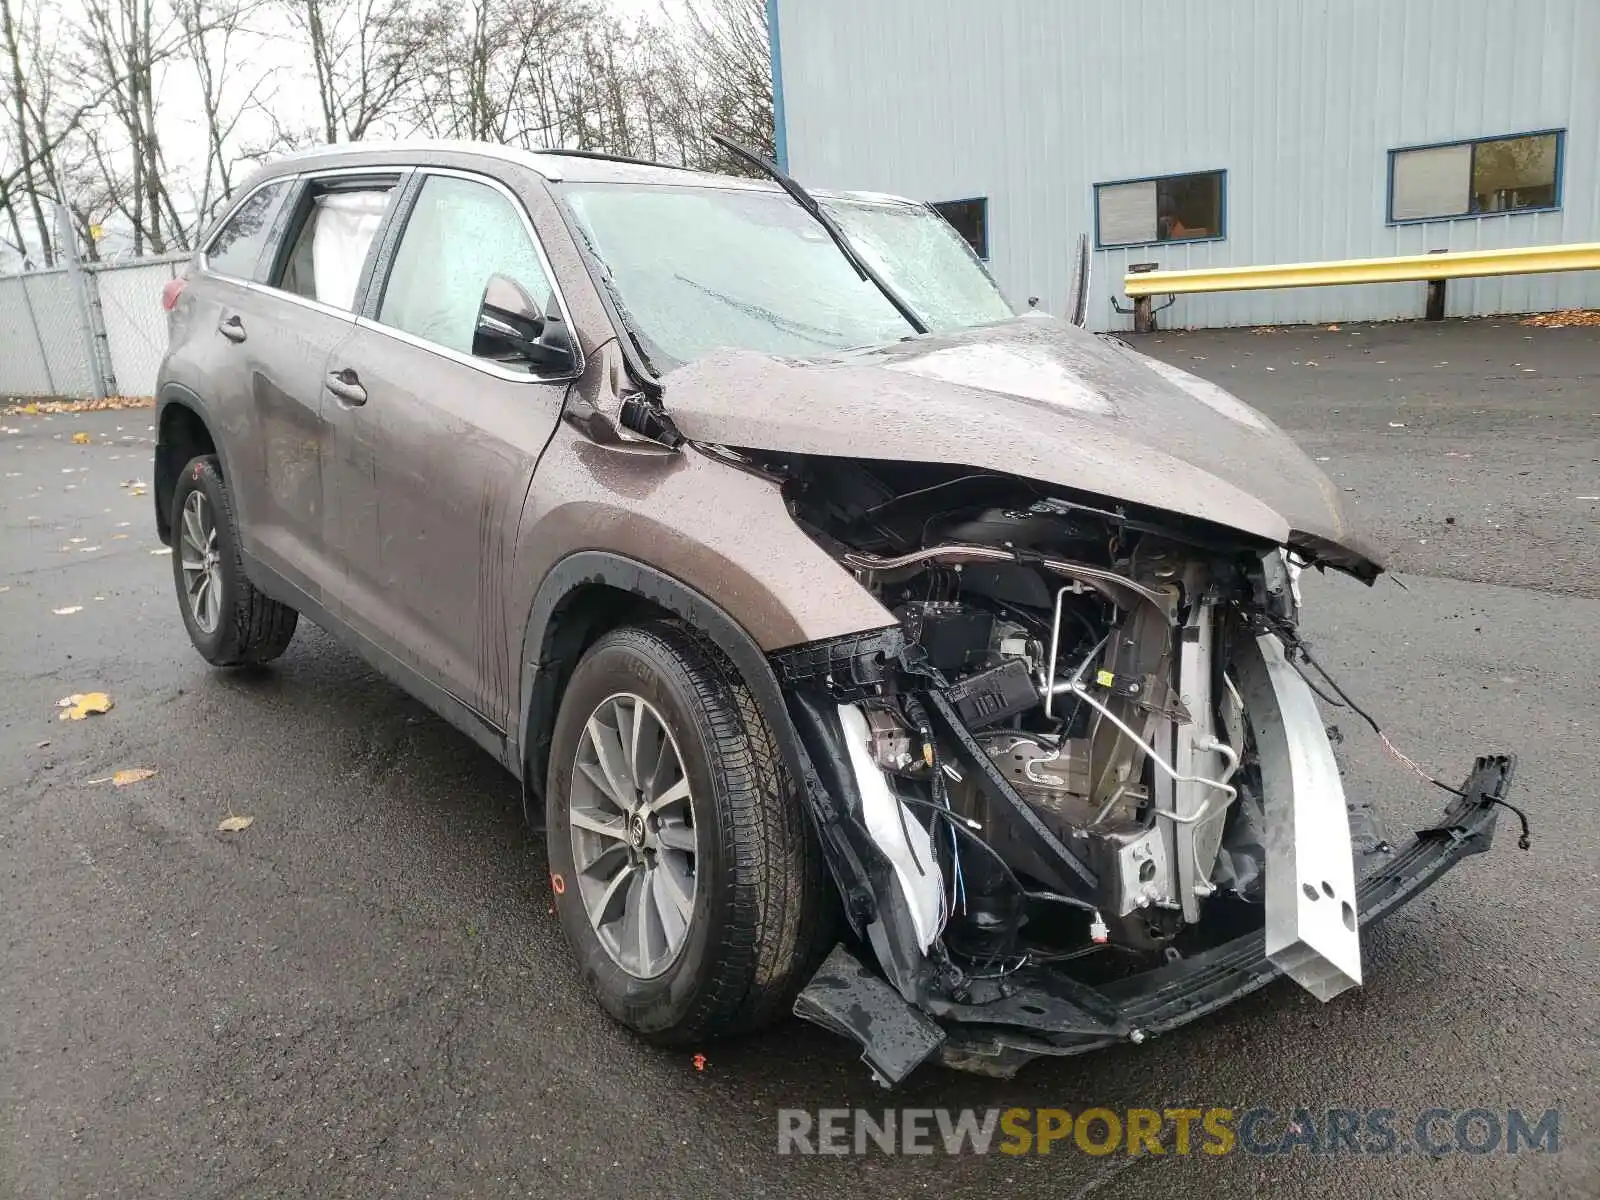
x=1460 y=264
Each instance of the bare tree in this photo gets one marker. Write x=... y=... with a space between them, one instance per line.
x=38 y=120
x=212 y=33
x=20 y=106
x=484 y=64
x=570 y=73
x=79 y=104
x=728 y=48
x=124 y=44
x=367 y=58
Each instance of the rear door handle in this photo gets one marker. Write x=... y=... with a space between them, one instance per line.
x=232 y=328
x=346 y=385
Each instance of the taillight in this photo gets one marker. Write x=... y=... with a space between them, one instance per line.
x=171 y=290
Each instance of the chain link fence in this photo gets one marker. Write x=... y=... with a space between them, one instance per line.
x=45 y=330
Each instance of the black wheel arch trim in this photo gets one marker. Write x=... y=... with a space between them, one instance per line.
x=177 y=393
x=859 y=870
x=541 y=668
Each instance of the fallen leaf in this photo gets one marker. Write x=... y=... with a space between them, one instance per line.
x=68 y=610
x=80 y=439
x=1333 y=329
x=1563 y=319
x=79 y=406
x=80 y=704
x=234 y=824
x=117 y=537
x=131 y=775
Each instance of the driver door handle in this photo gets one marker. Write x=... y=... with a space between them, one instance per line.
x=232 y=328
x=346 y=385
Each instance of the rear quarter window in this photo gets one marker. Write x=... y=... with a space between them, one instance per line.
x=237 y=245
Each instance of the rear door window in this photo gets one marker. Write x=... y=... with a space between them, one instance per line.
x=329 y=247
x=237 y=246
x=459 y=234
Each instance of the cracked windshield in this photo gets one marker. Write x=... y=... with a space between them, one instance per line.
x=701 y=269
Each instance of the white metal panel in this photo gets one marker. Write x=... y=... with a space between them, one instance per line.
x=1032 y=103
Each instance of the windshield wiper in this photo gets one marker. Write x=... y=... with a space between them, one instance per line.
x=806 y=201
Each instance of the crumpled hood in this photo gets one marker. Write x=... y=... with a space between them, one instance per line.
x=1035 y=397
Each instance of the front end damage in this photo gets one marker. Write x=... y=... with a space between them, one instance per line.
x=1080 y=791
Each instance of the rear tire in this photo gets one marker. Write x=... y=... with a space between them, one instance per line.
x=761 y=913
x=229 y=621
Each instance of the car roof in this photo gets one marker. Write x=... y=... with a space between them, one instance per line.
x=557 y=166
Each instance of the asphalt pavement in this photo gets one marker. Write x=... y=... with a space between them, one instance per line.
x=365 y=992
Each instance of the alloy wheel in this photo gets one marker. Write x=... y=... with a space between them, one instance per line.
x=201 y=562
x=634 y=845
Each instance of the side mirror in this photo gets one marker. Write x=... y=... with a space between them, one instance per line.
x=512 y=330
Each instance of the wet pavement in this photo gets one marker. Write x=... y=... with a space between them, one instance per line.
x=365 y=992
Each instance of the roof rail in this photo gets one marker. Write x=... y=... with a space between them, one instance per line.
x=602 y=156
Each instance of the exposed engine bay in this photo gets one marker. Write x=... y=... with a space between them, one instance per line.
x=1083 y=753
x=1087 y=657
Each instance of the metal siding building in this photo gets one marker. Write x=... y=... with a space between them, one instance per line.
x=1031 y=103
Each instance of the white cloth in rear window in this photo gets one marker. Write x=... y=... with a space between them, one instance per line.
x=346 y=223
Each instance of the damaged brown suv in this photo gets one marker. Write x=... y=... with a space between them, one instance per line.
x=862 y=645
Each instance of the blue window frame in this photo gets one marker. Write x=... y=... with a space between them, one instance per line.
x=1155 y=209
x=1476 y=177
x=969 y=218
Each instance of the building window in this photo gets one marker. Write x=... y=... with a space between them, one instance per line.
x=1476 y=178
x=1168 y=208
x=969 y=218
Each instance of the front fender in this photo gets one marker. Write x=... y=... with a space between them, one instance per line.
x=557 y=627
x=542 y=648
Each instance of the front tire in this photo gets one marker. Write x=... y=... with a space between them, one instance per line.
x=686 y=876
x=229 y=621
